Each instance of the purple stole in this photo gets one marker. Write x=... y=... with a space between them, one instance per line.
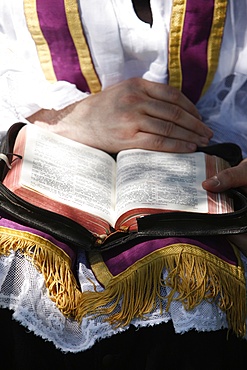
x=61 y=44
x=195 y=39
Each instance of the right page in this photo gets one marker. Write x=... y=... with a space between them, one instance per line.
x=217 y=202
x=151 y=182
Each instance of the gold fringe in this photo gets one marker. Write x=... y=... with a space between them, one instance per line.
x=193 y=275
x=50 y=261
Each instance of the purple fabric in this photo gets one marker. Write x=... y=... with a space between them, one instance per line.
x=118 y=260
x=196 y=32
x=13 y=225
x=53 y=23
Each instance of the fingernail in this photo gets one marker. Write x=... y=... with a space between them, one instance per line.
x=208 y=132
x=212 y=182
x=204 y=141
x=191 y=146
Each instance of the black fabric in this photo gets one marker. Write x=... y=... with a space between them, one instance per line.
x=143 y=10
x=151 y=348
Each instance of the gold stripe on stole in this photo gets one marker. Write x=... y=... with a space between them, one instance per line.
x=215 y=39
x=214 y=42
x=176 y=30
x=42 y=47
x=77 y=34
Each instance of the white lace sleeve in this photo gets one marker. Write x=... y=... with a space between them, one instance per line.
x=223 y=108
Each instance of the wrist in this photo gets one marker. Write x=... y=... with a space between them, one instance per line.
x=58 y=121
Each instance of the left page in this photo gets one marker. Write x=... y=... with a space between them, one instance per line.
x=68 y=173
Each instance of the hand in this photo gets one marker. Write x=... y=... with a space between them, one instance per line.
x=233 y=177
x=132 y=114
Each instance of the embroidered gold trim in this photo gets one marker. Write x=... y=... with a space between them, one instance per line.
x=176 y=30
x=42 y=47
x=194 y=275
x=77 y=34
x=215 y=40
x=105 y=277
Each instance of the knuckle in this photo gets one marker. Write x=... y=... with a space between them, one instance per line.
x=179 y=146
x=174 y=95
x=229 y=175
x=135 y=83
x=128 y=94
x=158 y=143
x=167 y=129
x=175 y=113
x=161 y=143
x=131 y=99
x=128 y=117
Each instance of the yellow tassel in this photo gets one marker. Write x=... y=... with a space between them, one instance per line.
x=132 y=297
x=193 y=275
x=195 y=279
x=51 y=262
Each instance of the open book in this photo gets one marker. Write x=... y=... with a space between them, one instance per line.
x=101 y=193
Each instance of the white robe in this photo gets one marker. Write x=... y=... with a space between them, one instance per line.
x=139 y=50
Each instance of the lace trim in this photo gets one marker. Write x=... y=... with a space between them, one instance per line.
x=22 y=289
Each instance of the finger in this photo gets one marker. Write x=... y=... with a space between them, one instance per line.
x=172 y=95
x=233 y=177
x=179 y=116
x=177 y=109
x=172 y=131
x=148 y=141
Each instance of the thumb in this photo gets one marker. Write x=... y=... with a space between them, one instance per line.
x=233 y=177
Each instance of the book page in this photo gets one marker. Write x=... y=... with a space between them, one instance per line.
x=217 y=202
x=147 y=179
x=69 y=172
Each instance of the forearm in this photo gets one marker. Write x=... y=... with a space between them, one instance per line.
x=134 y=113
x=58 y=121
